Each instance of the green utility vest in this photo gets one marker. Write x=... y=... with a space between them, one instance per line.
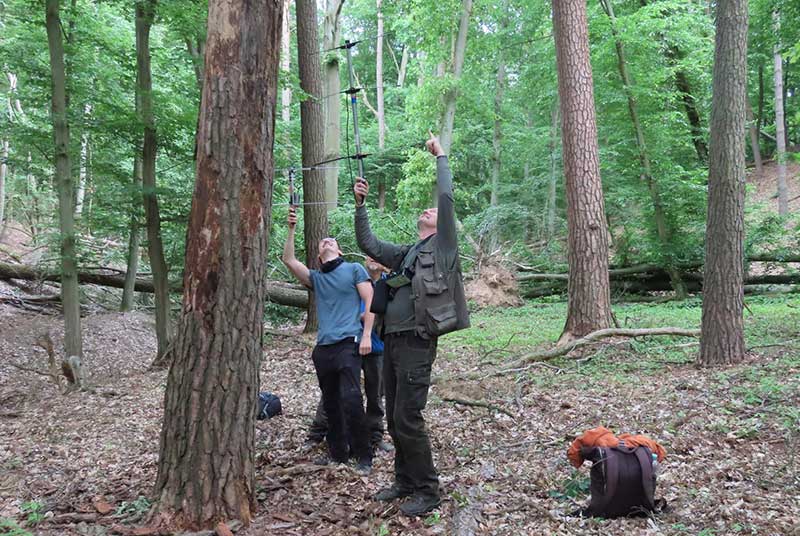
x=437 y=289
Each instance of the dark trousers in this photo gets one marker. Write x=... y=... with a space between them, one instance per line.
x=407 y=378
x=372 y=366
x=338 y=369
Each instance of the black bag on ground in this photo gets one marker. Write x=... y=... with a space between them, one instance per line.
x=269 y=405
x=622 y=482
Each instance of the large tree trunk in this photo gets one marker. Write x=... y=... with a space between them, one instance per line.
x=315 y=217
x=450 y=97
x=66 y=189
x=133 y=243
x=780 y=126
x=329 y=92
x=723 y=324
x=589 y=297
x=663 y=232
x=206 y=468
x=753 y=130
x=145 y=13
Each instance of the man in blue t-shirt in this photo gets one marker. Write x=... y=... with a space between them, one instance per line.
x=339 y=288
x=372 y=366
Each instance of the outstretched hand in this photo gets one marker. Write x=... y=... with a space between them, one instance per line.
x=433 y=145
x=292 y=218
x=361 y=189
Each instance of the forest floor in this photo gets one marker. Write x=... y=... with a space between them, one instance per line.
x=85 y=463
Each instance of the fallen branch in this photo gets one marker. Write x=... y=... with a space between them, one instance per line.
x=558 y=351
x=451 y=397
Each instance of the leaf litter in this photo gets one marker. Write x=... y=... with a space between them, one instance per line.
x=89 y=460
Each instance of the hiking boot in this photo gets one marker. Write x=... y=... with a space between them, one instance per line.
x=419 y=504
x=364 y=467
x=391 y=493
x=326 y=459
x=383 y=446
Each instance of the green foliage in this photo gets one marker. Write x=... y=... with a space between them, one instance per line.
x=33 y=512
x=8 y=527
x=575 y=487
x=136 y=507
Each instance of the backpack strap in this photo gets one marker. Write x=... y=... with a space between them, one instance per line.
x=611 y=465
x=645 y=458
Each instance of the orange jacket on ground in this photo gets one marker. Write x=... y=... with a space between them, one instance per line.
x=603 y=437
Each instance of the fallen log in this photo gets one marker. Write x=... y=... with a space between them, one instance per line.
x=277 y=292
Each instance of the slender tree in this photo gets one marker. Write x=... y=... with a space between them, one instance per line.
x=553 y=182
x=286 y=92
x=329 y=92
x=722 y=339
x=754 y=146
x=315 y=217
x=450 y=97
x=663 y=230
x=206 y=468
x=780 y=124
x=134 y=238
x=381 y=112
x=145 y=14
x=70 y=299
x=587 y=241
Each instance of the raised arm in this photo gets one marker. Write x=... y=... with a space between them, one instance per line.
x=298 y=269
x=365 y=291
x=446 y=220
x=386 y=253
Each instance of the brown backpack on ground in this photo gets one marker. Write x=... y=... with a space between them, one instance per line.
x=622 y=482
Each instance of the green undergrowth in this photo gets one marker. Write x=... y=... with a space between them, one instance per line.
x=505 y=333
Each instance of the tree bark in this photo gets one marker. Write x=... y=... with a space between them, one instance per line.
x=589 y=307
x=450 y=97
x=722 y=341
x=330 y=91
x=780 y=125
x=315 y=217
x=145 y=14
x=754 y=147
x=206 y=468
x=133 y=244
x=663 y=231
x=66 y=189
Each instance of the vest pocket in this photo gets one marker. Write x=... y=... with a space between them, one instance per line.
x=441 y=319
x=433 y=284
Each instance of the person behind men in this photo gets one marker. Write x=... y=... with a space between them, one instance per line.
x=339 y=287
x=372 y=366
x=427 y=300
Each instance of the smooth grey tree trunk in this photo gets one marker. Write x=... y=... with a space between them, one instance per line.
x=780 y=125
x=133 y=243
x=286 y=53
x=451 y=96
x=754 y=147
x=331 y=99
x=554 y=175
x=70 y=298
x=145 y=14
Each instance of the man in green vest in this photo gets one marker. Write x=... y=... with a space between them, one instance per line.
x=424 y=298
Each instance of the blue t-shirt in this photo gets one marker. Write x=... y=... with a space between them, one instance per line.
x=377 y=343
x=338 y=302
